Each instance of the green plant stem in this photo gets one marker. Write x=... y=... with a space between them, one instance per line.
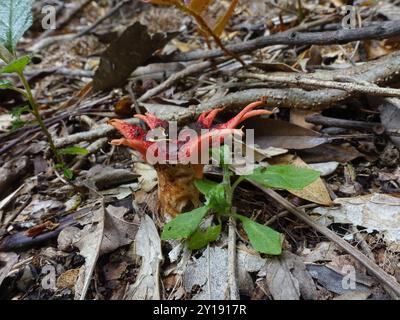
x=301 y=14
x=237 y=182
x=19 y=91
x=227 y=186
x=36 y=113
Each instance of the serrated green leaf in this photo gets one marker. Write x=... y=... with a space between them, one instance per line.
x=262 y=238
x=184 y=225
x=16 y=65
x=5 y=84
x=284 y=176
x=201 y=238
x=15 y=19
x=74 y=151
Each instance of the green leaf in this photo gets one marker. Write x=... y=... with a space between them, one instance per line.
x=5 y=84
x=184 y=224
x=201 y=238
x=58 y=166
x=262 y=238
x=215 y=194
x=16 y=113
x=68 y=174
x=74 y=151
x=15 y=19
x=284 y=176
x=16 y=65
x=205 y=185
x=216 y=199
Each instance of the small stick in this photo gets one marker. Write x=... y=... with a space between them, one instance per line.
x=286 y=212
x=342 y=123
x=16 y=214
x=320 y=83
x=109 y=14
x=380 y=31
x=190 y=70
x=233 y=288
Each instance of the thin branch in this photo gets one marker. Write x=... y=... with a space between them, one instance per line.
x=383 y=30
x=190 y=70
x=295 y=79
x=379 y=71
x=233 y=288
x=107 y=15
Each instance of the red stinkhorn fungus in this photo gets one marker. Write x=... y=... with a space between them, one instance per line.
x=176 y=190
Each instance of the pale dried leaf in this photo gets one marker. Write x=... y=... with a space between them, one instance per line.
x=148 y=247
x=380 y=212
x=147 y=176
x=283 y=134
x=89 y=247
x=211 y=271
x=7 y=261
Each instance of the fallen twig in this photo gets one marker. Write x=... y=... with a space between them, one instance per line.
x=378 y=71
x=233 y=288
x=347 y=124
x=190 y=70
x=107 y=15
x=383 y=30
x=297 y=79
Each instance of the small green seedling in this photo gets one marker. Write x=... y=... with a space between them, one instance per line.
x=219 y=202
x=15 y=19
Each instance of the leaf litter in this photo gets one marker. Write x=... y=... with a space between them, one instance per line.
x=358 y=187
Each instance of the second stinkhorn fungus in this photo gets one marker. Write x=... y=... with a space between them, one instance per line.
x=176 y=190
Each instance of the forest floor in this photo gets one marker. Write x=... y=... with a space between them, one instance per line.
x=333 y=81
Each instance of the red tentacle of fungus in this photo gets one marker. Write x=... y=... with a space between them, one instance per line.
x=152 y=121
x=207 y=118
x=176 y=181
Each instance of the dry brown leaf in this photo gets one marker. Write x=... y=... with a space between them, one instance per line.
x=315 y=192
x=376 y=49
x=123 y=107
x=68 y=279
x=329 y=152
x=283 y=134
x=125 y=54
x=199 y=6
